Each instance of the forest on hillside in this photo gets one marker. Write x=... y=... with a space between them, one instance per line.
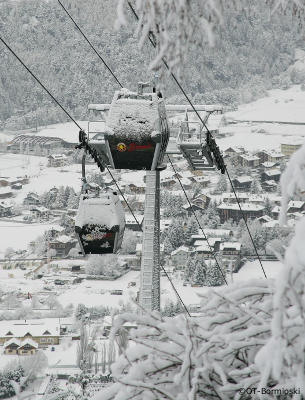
x=253 y=55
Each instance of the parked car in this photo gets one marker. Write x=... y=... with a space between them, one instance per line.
x=120 y=292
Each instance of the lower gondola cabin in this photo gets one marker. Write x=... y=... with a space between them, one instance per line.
x=100 y=223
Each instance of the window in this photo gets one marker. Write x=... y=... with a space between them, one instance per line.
x=50 y=340
x=24 y=351
x=42 y=340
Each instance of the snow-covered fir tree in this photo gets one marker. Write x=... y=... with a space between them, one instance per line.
x=255 y=187
x=221 y=185
x=214 y=276
x=191 y=229
x=199 y=275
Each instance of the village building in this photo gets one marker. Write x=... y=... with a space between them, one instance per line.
x=230 y=254
x=269 y=186
x=203 y=181
x=36 y=145
x=266 y=156
x=202 y=201
x=276 y=212
x=190 y=209
x=179 y=257
x=5 y=193
x=62 y=245
x=295 y=206
x=134 y=224
x=231 y=198
x=272 y=174
x=232 y=211
x=248 y=160
x=234 y=151
x=32 y=199
x=5 y=209
x=57 y=160
x=43 y=332
x=27 y=347
x=242 y=183
x=137 y=189
x=290 y=146
x=40 y=212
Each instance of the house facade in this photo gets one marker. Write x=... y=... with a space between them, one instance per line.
x=179 y=257
x=232 y=211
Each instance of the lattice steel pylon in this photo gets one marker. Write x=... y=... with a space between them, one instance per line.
x=150 y=263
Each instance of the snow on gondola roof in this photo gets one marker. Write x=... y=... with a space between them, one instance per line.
x=132 y=117
x=100 y=210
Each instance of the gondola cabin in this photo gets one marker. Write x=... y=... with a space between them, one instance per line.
x=100 y=223
x=137 y=130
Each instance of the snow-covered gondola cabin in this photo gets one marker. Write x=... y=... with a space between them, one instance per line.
x=100 y=223
x=137 y=130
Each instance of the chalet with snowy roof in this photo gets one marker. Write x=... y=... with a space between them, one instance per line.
x=231 y=198
x=189 y=209
x=269 y=186
x=257 y=199
x=167 y=182
x=57 y=160
x=179 y=257
x=203 y=181
x=202 y=201
x=139 y=188
x=270 y=156
x=295 y=206
x=5 y=209
x=248 y=160
x=242 y=183
x=5 y=193
x=276 y=212
x=204 y=250
x=264 y=219
x=187 y=183
x=232 y=211
x=201 y=240
x=234 y=151
x=40 y=212
x=43 y=332
x=16 y=186
x=11 y=346
x=62 y=245
x=27 y=347
x=32 y=199
x=132 y=223
x=230 y=253
x=272 y=174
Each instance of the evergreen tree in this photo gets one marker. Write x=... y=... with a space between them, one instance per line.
x=221 y=185
x=189 y=269
x=213 y=275
x=60 y=201
x=255 y=187
x=199 y=274
x=191 y=229
x=80 y=311
x=268 y=207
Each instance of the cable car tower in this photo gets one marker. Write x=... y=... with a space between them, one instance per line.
x=136 y=137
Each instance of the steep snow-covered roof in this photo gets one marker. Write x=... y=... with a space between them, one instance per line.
x=181 y=248
x=29 y=341
x=230 y=245
x=36 y=328
x=244 y=207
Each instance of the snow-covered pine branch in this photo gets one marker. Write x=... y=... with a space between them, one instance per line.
x=182 y=357
x=178 y=24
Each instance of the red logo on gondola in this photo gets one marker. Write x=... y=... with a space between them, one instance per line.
x=121 y=146
x=134 y=146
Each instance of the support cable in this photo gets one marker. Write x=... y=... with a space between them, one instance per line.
x=212 y=251
x=93 y=48
x=210 y=140
x=37 y=80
